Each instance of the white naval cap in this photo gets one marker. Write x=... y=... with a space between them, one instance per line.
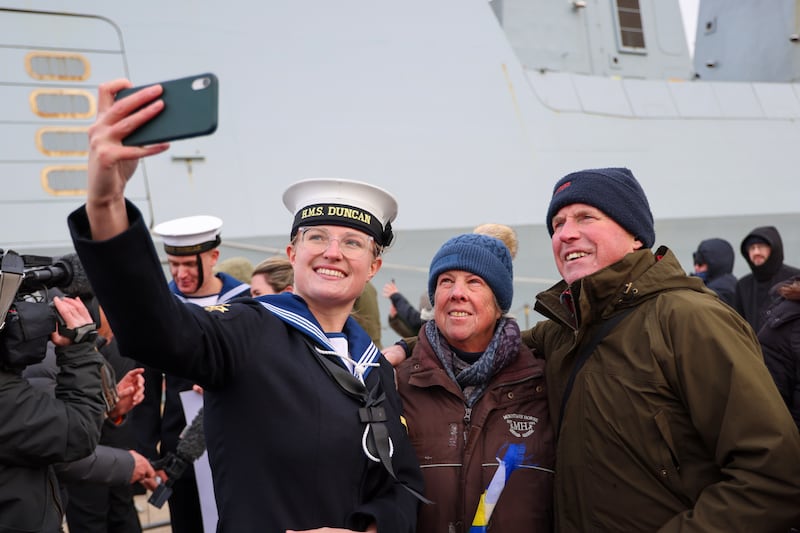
x=190 y=235
x=340 y=202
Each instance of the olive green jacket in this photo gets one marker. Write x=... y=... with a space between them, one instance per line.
x=674 y=423
x=367 y=314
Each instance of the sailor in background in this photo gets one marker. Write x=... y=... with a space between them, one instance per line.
x=191 y=244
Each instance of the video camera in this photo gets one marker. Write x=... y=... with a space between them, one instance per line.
x=26 y=316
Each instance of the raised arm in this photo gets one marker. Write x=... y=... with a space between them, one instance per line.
x=111 y=164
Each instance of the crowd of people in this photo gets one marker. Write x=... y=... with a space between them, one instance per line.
x=647 y=399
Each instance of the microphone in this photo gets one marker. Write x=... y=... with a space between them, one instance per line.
x=192 y=440
x=67 y=273
x=191 y=445
x=78 y=283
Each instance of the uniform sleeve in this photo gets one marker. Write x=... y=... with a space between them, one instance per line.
x=734 y=406
x=149 y=322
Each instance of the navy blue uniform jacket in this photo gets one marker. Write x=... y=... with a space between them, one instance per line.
x=284 y=441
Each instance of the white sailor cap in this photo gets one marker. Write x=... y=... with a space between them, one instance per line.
x=190 y=235
x=339 y=202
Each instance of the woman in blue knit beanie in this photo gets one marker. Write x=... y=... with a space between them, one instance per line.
x=472 y=394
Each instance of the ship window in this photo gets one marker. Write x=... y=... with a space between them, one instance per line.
x=65 y=180
x=63 y=103
x=629 y=18
x=59 y=142
x=57 y=66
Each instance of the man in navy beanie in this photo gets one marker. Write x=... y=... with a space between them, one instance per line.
x=612 y=190
x=666 y=416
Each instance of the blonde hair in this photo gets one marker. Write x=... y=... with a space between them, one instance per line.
x=239 y=267
x=502 y=232
x=278 y=271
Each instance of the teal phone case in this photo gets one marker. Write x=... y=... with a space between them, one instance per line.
x=190 y=110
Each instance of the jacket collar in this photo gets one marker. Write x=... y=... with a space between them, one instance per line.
x=293 y=310
x=425 y=369
x=231 y=288
x=638 y=276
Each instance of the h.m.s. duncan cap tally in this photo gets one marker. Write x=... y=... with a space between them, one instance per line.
x=339 y=202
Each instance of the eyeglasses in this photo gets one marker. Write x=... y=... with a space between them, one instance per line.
x=351 y=245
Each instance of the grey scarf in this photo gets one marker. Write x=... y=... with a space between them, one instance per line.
x=473 y=379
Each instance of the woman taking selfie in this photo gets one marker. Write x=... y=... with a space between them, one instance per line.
x=302 y=420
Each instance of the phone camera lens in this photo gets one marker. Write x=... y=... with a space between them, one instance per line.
x=201 y=83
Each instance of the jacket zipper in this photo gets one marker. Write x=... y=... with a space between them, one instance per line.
x=467 y=419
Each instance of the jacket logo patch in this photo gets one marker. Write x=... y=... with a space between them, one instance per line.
x=521 y=425
x=221 y=308
x=452 y=440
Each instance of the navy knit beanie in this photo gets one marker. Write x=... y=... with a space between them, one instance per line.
x=481 y=255
x=614 y=191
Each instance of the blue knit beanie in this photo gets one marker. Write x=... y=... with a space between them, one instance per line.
x=614 y=191
x=481 y=255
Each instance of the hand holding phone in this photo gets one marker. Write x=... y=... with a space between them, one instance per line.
x=190 y=110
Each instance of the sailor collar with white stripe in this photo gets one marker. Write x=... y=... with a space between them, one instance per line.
x=292 y=309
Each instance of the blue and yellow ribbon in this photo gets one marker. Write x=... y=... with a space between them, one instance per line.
x=510 y=461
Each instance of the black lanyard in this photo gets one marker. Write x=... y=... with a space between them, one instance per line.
x=371 y=413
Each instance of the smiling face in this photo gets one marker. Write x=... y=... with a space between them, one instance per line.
x=323 y=276
x=465 y=310
x=586 y=240
x=185 y=272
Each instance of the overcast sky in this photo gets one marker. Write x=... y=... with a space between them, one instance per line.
x=689 y=10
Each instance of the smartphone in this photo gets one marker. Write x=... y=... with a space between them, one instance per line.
x=190 y=110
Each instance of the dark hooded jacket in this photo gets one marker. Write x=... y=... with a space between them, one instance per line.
x=719 y=256
x=39 y=429
x=780 y=342
x=407 y=321
x=674 y=423
x=752 y=290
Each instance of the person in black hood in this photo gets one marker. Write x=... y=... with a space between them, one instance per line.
x=713 y=263
x=762 y=248
x=780 y=342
